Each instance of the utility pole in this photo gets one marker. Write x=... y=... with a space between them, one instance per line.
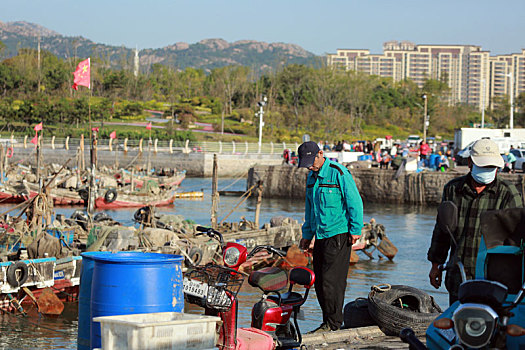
x=425 y=118
x=261 y=104
x=39 y=64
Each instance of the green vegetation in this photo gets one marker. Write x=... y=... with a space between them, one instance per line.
x=328 y=104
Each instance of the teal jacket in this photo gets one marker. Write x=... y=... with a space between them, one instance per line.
x=333 y=203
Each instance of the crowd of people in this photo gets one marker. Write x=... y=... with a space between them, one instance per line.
x=391 y=156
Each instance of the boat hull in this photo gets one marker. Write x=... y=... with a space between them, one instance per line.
x=101 y=203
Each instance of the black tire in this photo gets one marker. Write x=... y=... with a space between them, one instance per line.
x=142 y=214
x=418 y=313
x=356 y=314
x=196 y=257
x=14 y=278
x=101 y=217
x=84 y=194
x=111 y=195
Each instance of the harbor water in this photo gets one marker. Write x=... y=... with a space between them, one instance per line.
x=408 y=227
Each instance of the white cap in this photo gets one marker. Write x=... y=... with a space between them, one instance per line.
x=485 y=152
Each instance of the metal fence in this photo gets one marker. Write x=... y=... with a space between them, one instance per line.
x=170 y=146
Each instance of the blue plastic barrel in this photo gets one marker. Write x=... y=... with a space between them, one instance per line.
x=433 y=159
x=134 y=283
x=84 y=301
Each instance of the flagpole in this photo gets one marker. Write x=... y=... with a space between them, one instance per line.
x=92 y=183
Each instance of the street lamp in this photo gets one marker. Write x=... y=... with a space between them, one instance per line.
x=261 y=104
x=511 y=122
x=425 y=118
x=483 y=90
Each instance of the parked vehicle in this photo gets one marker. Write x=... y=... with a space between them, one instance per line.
x=520 y=158
x=215 y=288
x=414 y=140
x=490 y=313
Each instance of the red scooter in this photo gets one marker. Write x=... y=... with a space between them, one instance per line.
x=214 y=287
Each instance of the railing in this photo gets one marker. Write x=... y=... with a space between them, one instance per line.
x=171 y=146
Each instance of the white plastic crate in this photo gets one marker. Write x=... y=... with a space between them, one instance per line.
x=161 y=330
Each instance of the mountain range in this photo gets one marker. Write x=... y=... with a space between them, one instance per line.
x=206 y=54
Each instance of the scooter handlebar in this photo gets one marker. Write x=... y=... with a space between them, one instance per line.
x=268 y=248
x=210 y=233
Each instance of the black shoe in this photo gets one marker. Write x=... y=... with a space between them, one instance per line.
x=323 y=328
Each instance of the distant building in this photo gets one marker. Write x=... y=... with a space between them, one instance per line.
x=473 y=76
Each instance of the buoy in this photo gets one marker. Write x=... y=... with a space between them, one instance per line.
x=9 y=152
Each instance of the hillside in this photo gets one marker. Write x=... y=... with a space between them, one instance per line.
x=206 y=54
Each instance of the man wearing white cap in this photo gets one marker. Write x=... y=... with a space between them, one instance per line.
x=478 y=191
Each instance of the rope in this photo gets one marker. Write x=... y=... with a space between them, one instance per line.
x=380 y=288
x=132 y=161
x=234 y=182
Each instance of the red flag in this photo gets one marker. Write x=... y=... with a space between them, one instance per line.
x=82 y=74
x=95 y=129
x=113 y=135
x=38 y=127
x=148 y=126
x=35 y=139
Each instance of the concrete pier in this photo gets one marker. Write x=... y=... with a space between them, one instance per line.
x=196 y=164
x=375 y=185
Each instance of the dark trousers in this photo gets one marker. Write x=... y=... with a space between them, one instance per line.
x=331 y=263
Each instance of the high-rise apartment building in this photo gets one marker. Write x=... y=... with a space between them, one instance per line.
x=474 y=77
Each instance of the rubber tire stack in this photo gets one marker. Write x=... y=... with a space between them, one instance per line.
x=391 y=319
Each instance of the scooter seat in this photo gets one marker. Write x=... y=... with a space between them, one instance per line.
x=287 y=298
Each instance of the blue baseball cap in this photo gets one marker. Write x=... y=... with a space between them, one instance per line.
x=307 y=153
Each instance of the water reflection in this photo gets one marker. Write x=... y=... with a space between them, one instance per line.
x=408 y=227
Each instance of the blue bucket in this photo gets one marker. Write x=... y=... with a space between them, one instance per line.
x=134 y=283
x=84 y=301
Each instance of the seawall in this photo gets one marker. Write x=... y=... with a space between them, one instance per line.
x=375 y=185
x=197 y=164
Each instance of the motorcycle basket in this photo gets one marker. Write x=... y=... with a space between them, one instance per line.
x=223 y=285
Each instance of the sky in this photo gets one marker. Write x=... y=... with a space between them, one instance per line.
x=318 y=26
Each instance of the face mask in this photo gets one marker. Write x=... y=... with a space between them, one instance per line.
x=483 y=175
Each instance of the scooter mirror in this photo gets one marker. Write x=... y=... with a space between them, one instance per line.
x=447 y=218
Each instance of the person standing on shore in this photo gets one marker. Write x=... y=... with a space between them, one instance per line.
x=475 y=193
x=334 y=216
x=424 y=150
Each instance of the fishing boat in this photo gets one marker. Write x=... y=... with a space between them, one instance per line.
x=24 y=282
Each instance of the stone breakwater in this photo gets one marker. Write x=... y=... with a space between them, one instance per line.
x=375 y=185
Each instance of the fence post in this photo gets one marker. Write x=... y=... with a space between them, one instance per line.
x=284 y=146
x=187 y=146
x=155 y=145
x=12 y=140
x=220 y=146
x=246 y=143
x=171 y=146
x=126 y=144
x=66 y=145
x=53 y=142
x=140 y=145
x=271 y=147
x=233 y=147
x=25 y=141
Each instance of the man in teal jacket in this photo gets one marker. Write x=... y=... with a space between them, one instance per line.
x=334 y=216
